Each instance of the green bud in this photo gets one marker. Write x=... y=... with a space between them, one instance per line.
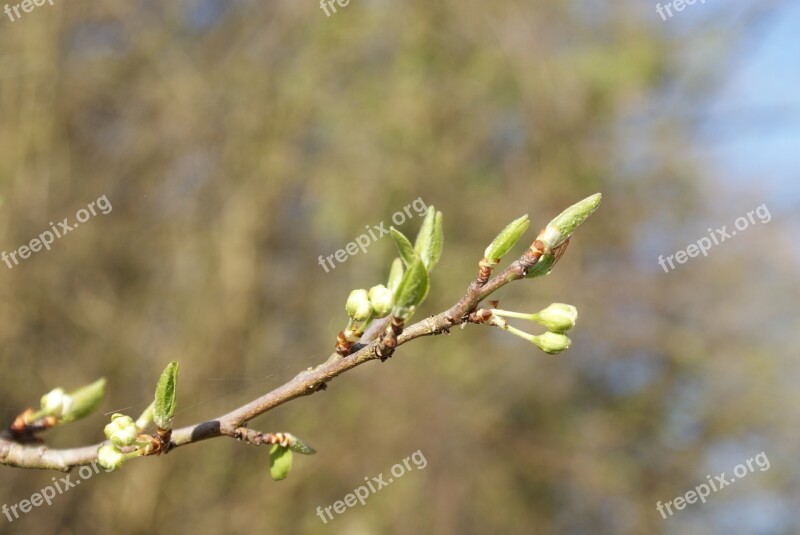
x=428 y=246
x=558 y=317
x=560 y=228
x=380 y=297
x=358 y=306
x=55 y=402
x=395 y=275
x=551 y=343
x=146 y=418
x=542 y=267
x=299 y=446
x=280 y=462
x=412 y=290
x=507 y=238
x=121 y=431
x=166 y=397
x=110 y=457
x=403 y=246
x=85 y=400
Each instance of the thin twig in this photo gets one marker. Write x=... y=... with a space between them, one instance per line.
x=305 y=383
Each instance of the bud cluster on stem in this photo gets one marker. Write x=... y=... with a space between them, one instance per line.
x=407 y=287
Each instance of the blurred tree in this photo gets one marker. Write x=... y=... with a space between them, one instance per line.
x=237 y=142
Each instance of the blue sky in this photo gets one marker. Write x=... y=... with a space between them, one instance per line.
x=753 y=131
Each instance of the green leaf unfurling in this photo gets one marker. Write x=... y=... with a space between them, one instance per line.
x=165 y=399
x=412 y=290
x=403 y=246
x=428 y=245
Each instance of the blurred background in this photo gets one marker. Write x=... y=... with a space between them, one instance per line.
x=238 y=141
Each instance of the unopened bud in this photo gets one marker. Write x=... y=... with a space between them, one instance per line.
x=542 y=267
x=558 y=317
x=551 y=343
x=565 y=223
x=121 y=431
x=380 y=297
x=507 y=238
x=85 y=400
x=358 y=306
x=56 y=402
x=109 y=457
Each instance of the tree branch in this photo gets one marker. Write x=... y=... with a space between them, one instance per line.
x=39 y=456
x=21 y=449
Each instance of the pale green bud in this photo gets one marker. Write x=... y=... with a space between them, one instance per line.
x=381 y=299
x=558 y=317
x=109 y=457
x=551 y=343
x=358 y=306
x=542 y=267
x=288 y=440
x=85 y=400
x=301 y=446
x=121 y=431
x=146 y=418
x=507 y=238
x=56 y=402
x=564 y=224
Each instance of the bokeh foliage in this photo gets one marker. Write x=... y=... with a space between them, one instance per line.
x=237 y=141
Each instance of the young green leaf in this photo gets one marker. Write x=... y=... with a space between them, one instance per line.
x=280 y=462
x=395 y=275
x=428 y=246
x=403 y=245
x=507 y=238
x=165 y=399
x=429 y=239
x=437 y=242
x=412 y=290
x=425 y=231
